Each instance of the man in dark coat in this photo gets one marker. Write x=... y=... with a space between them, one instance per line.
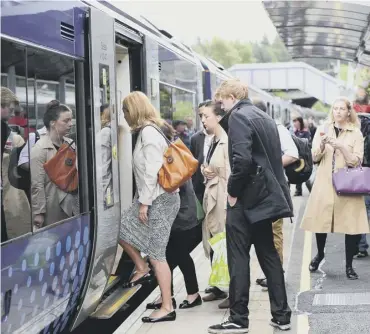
x=258 y=195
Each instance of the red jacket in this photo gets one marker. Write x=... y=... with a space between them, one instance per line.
x=361 y=108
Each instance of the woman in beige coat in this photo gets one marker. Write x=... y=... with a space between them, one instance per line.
x=49 y=203
x=216 y=171
x=326 y=212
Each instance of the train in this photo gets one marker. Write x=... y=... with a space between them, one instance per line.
x=86 y=54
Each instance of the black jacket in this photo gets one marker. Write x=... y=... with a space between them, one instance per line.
x=196 y=148
x=187 y=216
x=254 y=141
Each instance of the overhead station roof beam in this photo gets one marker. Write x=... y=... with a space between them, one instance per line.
x=323 y=29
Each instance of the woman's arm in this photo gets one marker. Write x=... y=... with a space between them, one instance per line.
x=318 y=147
x=153 y=161
x=353 y=159
x=38 y=158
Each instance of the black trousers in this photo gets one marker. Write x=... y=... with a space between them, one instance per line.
x=240 y=235
x=179 y=247
x=351 y=242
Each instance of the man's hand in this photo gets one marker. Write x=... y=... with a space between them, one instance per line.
x=232 y=200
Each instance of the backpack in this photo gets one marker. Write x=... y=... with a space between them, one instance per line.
x=300 y=171
x=365 y=129
x=19 y=177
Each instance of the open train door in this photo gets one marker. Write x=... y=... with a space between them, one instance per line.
x=101 y=69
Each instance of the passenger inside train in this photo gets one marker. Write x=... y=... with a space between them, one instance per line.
x=95 y=98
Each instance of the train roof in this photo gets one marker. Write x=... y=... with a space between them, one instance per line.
x=141 y=25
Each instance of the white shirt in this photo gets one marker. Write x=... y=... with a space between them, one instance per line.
x=287 y=144
x=207 y=143
x=24 y=156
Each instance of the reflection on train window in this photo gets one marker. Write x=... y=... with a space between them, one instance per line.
x=106 y=137
x=183 y=105
x=166 y=102
x=53 y=158
x=15 y=207
x=39 y=167
x=176 y=104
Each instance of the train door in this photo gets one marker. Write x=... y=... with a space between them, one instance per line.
x=101 y=44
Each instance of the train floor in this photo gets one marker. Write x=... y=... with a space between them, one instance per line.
x=322 y=303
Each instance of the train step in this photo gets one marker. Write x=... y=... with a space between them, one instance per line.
x=113 y=280
x=114 y=301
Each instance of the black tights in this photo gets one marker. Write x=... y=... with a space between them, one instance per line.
x=351 y=246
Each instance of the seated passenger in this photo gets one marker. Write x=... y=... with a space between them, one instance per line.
x=337 y=144
x=146 y=225
x=186 y=233
x=216 y=171
x=50 y=204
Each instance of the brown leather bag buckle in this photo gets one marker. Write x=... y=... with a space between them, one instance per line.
x=69 y=162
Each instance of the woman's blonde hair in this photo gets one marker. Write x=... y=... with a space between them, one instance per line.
x=353 y=118
x=232 y=87
x=141 y=110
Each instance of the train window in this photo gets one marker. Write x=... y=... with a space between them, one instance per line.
x=15 y=207
x=166 y=102
x=106 y=137
x=53 y=156
x=177 y=104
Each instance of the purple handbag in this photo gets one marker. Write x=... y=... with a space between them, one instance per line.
x=351 y=181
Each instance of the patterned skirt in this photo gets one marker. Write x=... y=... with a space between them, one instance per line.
x=151 y=238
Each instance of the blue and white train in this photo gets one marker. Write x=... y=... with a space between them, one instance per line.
x=85 y=54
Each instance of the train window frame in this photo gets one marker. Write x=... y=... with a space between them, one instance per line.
x=78 y=84
x=171 y=90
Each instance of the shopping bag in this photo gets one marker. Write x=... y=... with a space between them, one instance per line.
x=219 y=277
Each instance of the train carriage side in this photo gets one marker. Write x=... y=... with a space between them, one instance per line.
x=61 y=272
x=44 y=271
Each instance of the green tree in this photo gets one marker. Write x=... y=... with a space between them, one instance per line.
x=229 y=53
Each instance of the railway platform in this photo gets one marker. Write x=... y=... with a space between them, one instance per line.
x=197 y=320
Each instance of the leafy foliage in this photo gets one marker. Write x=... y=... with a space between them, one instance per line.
x=229 y=53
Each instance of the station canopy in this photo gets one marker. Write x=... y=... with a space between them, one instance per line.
x=323 y=29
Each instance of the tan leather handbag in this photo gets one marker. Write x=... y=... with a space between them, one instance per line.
x=62 y=169
x=179 y=165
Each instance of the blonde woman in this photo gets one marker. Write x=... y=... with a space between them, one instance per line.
x=146 y=225
x=337 y=144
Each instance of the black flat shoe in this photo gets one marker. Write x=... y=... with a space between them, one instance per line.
x=168 y=317
x=185 y=304
x=314 y=265
x=157 y=306
x=147 y=278
x=351 y=274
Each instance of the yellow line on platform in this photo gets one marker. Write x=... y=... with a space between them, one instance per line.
x=306 y=259
x=305 y=285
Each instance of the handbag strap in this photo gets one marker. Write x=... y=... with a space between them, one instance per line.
x=159 y=130
x=333 y=162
